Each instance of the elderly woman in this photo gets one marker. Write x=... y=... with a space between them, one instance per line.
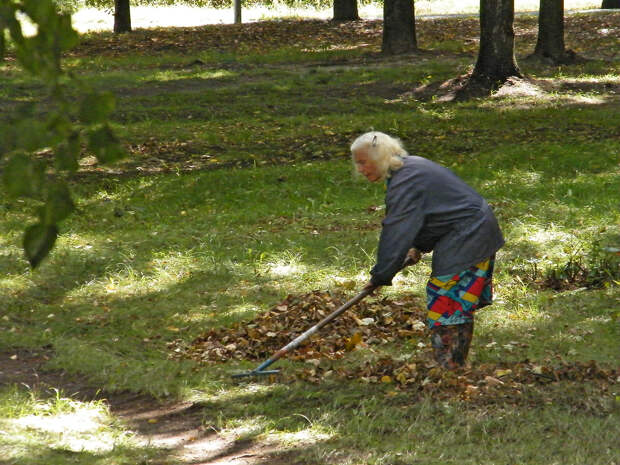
x=429 y=208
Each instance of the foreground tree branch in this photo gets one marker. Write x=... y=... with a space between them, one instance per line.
x=63 y=129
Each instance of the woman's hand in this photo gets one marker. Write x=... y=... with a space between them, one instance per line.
x=370 y=287
x=413 y=257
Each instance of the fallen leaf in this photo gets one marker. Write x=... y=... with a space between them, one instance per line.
x=353 y=342
x=491 y=381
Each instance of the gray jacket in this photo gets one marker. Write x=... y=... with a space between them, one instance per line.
x=430 y=208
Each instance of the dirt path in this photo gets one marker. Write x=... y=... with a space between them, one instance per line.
x=179 y=429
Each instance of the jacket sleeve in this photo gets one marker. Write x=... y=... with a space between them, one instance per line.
x=402 y=223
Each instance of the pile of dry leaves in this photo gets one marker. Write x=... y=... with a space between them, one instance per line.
x=369 y=323
x=372 y=324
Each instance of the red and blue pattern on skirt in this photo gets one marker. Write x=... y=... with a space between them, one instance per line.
x=453 y=299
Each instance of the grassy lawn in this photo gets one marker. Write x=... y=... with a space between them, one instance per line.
x=238 y=192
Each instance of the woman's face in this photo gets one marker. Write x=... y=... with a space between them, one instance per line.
x=366 y=166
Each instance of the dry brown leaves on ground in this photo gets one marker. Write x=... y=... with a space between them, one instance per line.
x=582 y=32
x=370 y=323
x=258 y=37
x=373 y=324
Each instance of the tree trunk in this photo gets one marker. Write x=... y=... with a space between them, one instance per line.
x=237 y=8
x=122 y=16
x=496 y=57
x=398 y=27
x=550 y=28
x=550 y=45
x=345 y=10
x=609 y=4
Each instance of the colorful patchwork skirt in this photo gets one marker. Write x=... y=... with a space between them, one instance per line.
x=452 y=299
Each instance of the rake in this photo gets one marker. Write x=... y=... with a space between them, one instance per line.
x=260 y=370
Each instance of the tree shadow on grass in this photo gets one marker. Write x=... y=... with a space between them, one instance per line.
x=191 y=430
x=564 y=91
x=152 y=312
x=163 y=431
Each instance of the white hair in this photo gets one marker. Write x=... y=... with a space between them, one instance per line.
x=387 y=152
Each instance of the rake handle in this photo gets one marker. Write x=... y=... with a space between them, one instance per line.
x=305 y=335
x=259 y=370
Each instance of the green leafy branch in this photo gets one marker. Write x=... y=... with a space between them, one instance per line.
x=62 y=129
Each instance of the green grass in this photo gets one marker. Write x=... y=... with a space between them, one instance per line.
x=58 y=430
x=150 y=259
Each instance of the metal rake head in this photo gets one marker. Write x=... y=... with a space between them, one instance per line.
x=255 y=373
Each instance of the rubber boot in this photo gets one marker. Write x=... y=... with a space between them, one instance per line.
x=451 y=344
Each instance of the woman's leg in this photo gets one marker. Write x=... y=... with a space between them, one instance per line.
x=452 y=301
x=451 y=344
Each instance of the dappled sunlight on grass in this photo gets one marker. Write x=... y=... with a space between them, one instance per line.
x=252 y=418
x=79 y=431
x=536 y=247
x=245 y=428
x=175 y=266
x=547 y=236
x=586 y=81
x=237 y=312
x=520 y=177
x=514 y=311
x=334 y=47
x=15 y=284
x=65 y=424
x=152 y=262
x=288 y=266
x=244 y=389
x=523 y=323
x=175 y=75
x=582 y=90
x=304 y=437
x=542 y=237
x=126 y=278
x=516 y=100
x=86 y=244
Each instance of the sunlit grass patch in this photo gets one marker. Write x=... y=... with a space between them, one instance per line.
x=305 y=437
x=62 y=424
x=286 y=266
x=16 y=283
x=170 y=75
